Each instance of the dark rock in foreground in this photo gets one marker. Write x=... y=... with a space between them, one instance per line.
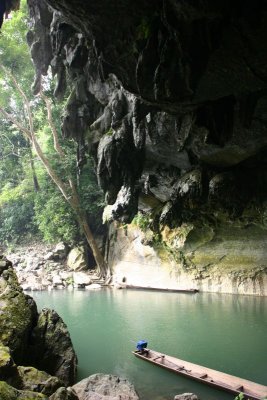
x=8 y=392
x=40 y=340
x=52 y=347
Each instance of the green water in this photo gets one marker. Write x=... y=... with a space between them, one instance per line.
x=223 y=332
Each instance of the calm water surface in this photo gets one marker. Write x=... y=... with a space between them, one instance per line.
x=223 y=332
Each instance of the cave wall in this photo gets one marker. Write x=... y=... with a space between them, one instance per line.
x=170 y=98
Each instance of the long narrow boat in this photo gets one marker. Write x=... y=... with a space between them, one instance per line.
x=149 y=288
x=230 y=383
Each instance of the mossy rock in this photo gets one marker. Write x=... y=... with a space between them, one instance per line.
x=18 y=313
x=7 y=392
x=6 y=361
x=64 y=394
x=8 y=369
x=38 y=381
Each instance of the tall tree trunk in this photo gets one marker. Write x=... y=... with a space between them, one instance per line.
x=82 y=219
x=34 y=176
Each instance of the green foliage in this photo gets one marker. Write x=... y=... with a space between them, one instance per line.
x=109 y=132
x=143 y=30
x=240 y=396
x=16 y=219
x=54 y=218
x=142 y=221
x=14 y=55
x=22 y=208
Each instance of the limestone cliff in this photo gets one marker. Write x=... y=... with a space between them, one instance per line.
x=170 y=98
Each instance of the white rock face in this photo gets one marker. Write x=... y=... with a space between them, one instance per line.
x=229 y=265
x=105 y=387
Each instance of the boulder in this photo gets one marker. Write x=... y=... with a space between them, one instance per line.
x=38 y=381
x=67 y=278
x=81 y=279
x=32 y=263
x=52 y=348
x=77 y=259
x=186 y=396
x=7 y=392
x=64 y=394
x=105 y=387
x=93 y=286
x=60 y=251
x=57 y=281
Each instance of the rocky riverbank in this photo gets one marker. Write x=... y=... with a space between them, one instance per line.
x=43 y=267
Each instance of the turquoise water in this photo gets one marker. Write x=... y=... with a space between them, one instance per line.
x=223 y=332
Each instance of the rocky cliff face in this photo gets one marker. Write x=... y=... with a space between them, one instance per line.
x=170 y=98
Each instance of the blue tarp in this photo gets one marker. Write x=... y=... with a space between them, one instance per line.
x=141 y=344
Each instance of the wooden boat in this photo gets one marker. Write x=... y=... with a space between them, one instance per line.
x=230 y=383
x=161 y=289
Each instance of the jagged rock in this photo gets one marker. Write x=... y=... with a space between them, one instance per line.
x=52 y=348
x=164 y=99
x=186 y=396
x=64 y=394
x=37 y=381
x=173 y=112
x=7 y=392
x=77 y=260
x=105 y=387
x=6 y=7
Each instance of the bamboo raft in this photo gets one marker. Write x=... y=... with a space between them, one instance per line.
x=217 y=379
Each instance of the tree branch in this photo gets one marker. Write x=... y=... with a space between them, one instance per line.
x=57 y=145
x=10 y=118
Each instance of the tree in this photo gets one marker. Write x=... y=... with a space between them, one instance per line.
x=20 y=113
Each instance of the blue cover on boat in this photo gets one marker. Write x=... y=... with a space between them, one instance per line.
x=141 y=344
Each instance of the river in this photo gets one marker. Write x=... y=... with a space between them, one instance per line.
x=223 y=332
